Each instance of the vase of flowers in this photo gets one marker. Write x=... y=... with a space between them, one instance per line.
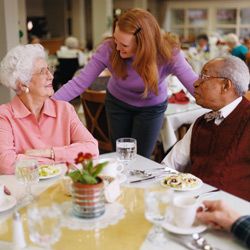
x=87 y=187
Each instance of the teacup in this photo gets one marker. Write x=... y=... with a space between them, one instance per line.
x=2 y=194
x=184 y=210
x=113 y=168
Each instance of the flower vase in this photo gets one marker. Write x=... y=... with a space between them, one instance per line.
x=88 y=199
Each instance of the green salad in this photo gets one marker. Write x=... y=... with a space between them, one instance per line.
x=47 y=170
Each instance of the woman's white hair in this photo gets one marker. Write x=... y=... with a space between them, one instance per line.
x=237 y=71
x=18 y=64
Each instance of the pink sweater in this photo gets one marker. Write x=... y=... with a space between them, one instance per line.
x=58 y=127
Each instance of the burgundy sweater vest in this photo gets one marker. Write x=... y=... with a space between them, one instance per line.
x=220 y=155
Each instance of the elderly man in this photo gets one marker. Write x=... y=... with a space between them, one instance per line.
x=216 y=147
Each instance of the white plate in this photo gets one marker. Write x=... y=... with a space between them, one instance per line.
x=9 y=202
x=199 y=184
x=52 y=175
x=196 y=228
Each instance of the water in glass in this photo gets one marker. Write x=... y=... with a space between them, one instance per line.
x=27 y=171
x=126 y=149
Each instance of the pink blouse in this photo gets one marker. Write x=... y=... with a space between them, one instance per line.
x=58 y=127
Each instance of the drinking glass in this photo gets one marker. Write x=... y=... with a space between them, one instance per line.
x=126 y=149
x=44 y=224
x=27 y=172
x=157 y=208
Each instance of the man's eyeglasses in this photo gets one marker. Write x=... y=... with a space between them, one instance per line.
x=45 y=71
x=204 y=77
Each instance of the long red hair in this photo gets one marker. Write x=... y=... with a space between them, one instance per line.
x=153 y=47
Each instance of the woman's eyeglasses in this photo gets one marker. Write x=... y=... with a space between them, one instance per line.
x=45 y=71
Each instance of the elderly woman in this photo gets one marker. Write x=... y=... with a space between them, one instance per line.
x=33 y=125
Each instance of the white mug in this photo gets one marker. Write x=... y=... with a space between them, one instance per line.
x=184 y=210
x=2 y=194
x=113 y=168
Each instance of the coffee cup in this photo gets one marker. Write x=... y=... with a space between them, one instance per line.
x=113 y=167
x=184 y=210
x=2 y=194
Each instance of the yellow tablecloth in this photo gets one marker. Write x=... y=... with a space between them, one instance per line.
x=128 y=233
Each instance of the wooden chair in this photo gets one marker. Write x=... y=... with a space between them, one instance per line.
x=96 y=119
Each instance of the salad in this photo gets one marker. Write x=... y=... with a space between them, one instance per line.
x=48 y=170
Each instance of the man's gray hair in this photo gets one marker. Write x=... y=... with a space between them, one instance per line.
x=18 y=64
x=237 y=71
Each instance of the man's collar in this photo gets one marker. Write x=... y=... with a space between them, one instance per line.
x=226 y=110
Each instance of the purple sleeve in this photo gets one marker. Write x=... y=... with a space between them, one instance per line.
x=183 y=71
x=88 y=74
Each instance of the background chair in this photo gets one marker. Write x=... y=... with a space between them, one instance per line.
x=96 y=119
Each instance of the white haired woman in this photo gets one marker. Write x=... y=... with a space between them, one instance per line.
x=33 y=125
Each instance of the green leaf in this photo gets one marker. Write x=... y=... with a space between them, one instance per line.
x=98 y=169
x=89 y=166
x=89 y=179
x=75 y=175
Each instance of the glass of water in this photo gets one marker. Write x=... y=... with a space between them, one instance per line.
x=44 y=224
x=126 y=149
x=26 y=172
x=157 y=201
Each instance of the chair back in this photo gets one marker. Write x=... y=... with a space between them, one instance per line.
x=96 y=119
x=65 y=71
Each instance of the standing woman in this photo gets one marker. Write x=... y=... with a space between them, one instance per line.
x=139 y=58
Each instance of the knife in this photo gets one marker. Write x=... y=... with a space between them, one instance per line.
x=148 y=178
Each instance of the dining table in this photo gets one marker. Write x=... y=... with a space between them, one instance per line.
x=123 y=226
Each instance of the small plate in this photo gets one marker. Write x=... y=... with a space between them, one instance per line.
x=197 y=186
x=9 y=202
x=196 y=228
x=52 y=167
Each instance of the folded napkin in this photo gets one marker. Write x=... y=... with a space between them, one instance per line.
x=179 y=98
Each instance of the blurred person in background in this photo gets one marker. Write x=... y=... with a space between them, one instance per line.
x=71 y=49
x=235 y=47
x=139 y=58
x=32 y=125
x=199 y=54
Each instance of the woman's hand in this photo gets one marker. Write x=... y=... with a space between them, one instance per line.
x=47 y=153
x=218 y=214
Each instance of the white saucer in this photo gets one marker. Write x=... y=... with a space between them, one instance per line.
x=9 y=202
x=196 y=228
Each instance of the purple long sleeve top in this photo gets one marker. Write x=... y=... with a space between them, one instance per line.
x=128 y=90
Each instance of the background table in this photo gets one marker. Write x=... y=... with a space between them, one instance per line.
x=175 y=116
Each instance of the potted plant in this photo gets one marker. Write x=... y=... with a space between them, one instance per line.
x=87 y=187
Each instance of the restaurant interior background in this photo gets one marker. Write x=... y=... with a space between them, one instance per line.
x=91 y=20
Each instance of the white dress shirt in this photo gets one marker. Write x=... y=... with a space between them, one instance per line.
x=179 y=157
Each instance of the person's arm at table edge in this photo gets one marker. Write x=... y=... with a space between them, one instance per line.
x=179 y=156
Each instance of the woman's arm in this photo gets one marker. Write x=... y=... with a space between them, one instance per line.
x=183 y=71
x=88 y=74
